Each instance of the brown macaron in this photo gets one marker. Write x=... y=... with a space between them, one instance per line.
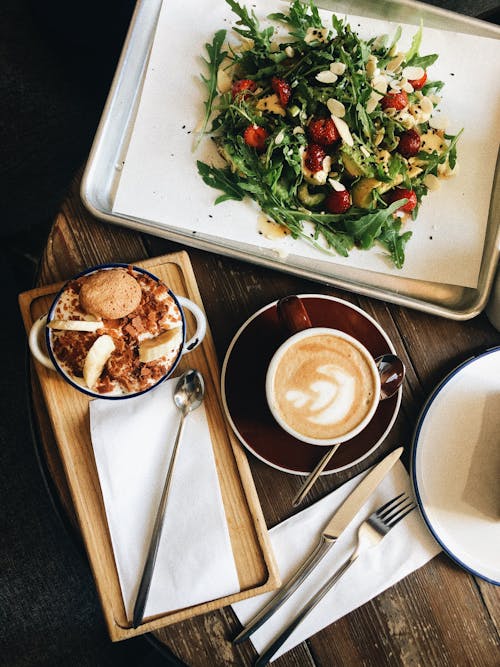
x=110 y=294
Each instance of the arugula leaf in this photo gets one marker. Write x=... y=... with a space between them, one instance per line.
x=368 y=227
x=301 y=16
x=424 y=61
x=215 y=58
x=395 y=40
x=221 y=179
x=395 y=242
x=415 y=45
x=251 y=26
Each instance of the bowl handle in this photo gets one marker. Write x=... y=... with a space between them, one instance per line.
x=201 y=324
x=35 y=344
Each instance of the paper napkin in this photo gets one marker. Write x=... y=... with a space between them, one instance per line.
x=406 y=548
x=133 y=441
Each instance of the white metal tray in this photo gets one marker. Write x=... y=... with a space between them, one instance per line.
x=102 y=172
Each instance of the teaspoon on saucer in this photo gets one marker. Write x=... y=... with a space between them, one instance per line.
x=392 y=372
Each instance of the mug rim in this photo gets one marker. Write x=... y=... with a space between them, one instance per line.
x=271 y=373
x=67 y=377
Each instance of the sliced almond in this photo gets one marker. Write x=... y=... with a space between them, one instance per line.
x=335 y=107
x=439 y=122
x=326 y=76
x=338 y=68
x=413 y=73
x=426 y=105
x=393 y=64
x=343 y=130
x=371 y=105
x=371 y=66
x=75 y=325
x=224 y=81
x=380 y=83
x=279 y=137
x=160 y=346
x=336 y=185
x=96 y=359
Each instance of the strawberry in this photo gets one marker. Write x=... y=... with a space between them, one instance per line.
x=403 y=193
x=239 y=87
x=255 y=137
x=418 y=84
x=338 y=201
x=314 y=158
x=282 y=89
x=395 y=100
x=323 y=131
x=409 y=143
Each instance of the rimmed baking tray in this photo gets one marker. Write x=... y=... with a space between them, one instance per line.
x=102 y=172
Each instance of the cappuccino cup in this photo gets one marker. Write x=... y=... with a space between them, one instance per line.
x=322 y=385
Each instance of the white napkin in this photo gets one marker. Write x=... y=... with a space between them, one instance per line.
x=406 y=548
x=133 y=441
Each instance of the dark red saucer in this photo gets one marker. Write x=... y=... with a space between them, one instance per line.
x=243 y=387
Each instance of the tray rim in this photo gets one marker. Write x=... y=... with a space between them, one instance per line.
x=271 y=577
x=475 y=298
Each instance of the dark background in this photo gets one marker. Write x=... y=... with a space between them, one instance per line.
x=57 y=60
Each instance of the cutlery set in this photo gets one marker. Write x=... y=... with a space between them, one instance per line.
x=188 y=396
x=370 y=533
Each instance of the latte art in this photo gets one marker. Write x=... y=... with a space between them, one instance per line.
x=323 y=386
x=326 y=401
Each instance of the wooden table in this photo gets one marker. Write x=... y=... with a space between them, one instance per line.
x=439 y=615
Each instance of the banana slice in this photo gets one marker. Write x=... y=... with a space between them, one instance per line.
x=75 y=325
x=96 y=359
x=154 y=348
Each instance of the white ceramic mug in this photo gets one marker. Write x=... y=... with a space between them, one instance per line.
x=40 y=336
x=322 y=385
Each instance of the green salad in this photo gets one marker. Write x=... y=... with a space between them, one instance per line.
x=337 y=139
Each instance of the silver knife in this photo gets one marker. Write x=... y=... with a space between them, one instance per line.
x=338 y=522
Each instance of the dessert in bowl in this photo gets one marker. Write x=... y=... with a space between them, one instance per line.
x=115 y=331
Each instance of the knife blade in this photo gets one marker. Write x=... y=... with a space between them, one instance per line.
x=340 y=519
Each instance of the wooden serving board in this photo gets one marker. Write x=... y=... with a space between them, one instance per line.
x=68 y=413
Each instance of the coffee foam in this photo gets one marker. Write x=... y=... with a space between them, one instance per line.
x=323 y=386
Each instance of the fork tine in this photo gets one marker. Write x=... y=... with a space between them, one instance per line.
x=388 y=504
x=389 y=514
x=397 y=519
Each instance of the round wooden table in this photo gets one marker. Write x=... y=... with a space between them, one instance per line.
x=440 y=614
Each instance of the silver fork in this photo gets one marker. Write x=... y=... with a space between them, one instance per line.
x=370 y=533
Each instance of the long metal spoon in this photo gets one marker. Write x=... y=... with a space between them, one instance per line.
x=188 y=396
x=392 y=372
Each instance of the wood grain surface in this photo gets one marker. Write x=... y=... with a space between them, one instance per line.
x=439 y=615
